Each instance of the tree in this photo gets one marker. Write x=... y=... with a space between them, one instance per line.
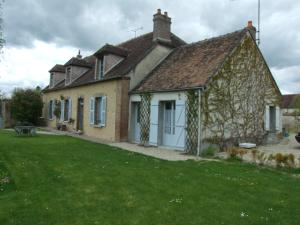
x=26 y=105
x=2 y=41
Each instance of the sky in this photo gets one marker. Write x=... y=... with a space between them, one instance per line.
x=42 y=33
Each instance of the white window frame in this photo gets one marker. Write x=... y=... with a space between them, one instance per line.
x=51 y=80
x=98 y=117
x=68 y=73
x=63 y=110
x=100 y=70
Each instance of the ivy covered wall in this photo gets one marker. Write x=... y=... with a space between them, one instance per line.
x=233 y=105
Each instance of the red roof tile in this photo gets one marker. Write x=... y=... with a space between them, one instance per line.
x=191 y=65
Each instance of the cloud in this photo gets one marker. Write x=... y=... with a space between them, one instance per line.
x=90 y=24
x=28 y=67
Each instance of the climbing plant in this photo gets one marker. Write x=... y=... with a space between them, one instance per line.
x=192 y=119
x=234 y=104
x=145 y=118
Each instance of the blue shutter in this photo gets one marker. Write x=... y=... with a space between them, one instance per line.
x=103 y=111
x=92 y=110
x=70 y=109
x=62 y=109
x=53 y=107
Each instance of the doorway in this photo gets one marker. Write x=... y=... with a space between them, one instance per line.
x=168 y=123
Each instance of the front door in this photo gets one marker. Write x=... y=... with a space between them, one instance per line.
x=80 y=114
x=169 y=123
x=137 y=116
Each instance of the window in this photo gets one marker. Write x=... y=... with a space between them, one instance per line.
x=68 y=75
x=51 y=110
x=51 y=80
x=66 y=110
x=169 y=120
x=98 y=111
x=100 y=69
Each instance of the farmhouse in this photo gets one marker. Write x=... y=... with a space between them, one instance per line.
x=158 y=90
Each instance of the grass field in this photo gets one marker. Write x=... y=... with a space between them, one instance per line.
x=60 y=180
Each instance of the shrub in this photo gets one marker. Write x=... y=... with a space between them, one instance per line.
x=26 y=105
x=232 y=152
x=209 y=152
x=254 y=154
x=261 y=158
x=242 y=152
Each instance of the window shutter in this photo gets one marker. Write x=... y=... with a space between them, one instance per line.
x=62 y=109
x=49 y=111
x=278 y=118
x=180 y=123
x=267 y=118
x=153 y=123
x=53 y=107
x=70 y=109
x=92 y=110
x=103 y=111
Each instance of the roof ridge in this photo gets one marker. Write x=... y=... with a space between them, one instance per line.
x=211 y=39
x=131 y=39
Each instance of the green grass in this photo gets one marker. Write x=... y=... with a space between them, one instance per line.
x=60 y=180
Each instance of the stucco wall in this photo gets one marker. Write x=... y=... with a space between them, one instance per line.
x=148 y=64
x=111 y=89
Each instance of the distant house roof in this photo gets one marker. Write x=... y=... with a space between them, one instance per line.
x=136 y=49
x=289 y=101
x=58 y=68
x=191 y=65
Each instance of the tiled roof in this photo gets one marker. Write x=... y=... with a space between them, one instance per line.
x=137 y=48
x=74 y=61
x=288 y=101
x=58 y=68
x=111 y=49
x=191 y=65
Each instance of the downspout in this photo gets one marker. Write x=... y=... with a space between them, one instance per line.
x=199 y=124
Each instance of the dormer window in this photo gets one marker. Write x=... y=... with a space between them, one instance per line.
x=100 y=69
x=51 y=80
x=68 y=75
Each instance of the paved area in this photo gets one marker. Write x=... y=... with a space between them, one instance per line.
x=161 y=153
x=157 y=152
x=286 y=146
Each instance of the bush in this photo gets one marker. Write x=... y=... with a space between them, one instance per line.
x=209 y=152
x=26 y=105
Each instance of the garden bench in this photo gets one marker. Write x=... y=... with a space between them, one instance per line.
x=25 y=130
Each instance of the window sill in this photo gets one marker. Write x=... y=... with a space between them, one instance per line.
x=98 y=126
x=51 y=119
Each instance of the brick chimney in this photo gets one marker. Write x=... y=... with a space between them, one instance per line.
x=161 y=26
x=252 y=29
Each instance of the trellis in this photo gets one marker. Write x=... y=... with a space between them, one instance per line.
x=192 y=122
x=145 y=118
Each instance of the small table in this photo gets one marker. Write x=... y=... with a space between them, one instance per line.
x=25 y=130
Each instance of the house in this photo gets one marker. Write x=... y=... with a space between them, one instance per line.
x=290 y=104
x=158 y=90
x=6 y=120
x=91 y=93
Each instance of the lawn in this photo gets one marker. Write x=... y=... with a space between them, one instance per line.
x=60 y=180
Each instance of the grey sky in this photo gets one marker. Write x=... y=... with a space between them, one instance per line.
x=90 y=24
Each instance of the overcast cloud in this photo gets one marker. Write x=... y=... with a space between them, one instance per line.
x=41 y=33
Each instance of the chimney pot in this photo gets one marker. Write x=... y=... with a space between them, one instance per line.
x=161 y=26
x=251 y=29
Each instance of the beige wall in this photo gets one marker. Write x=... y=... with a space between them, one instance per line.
x=148 y=64
x=110 y=89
